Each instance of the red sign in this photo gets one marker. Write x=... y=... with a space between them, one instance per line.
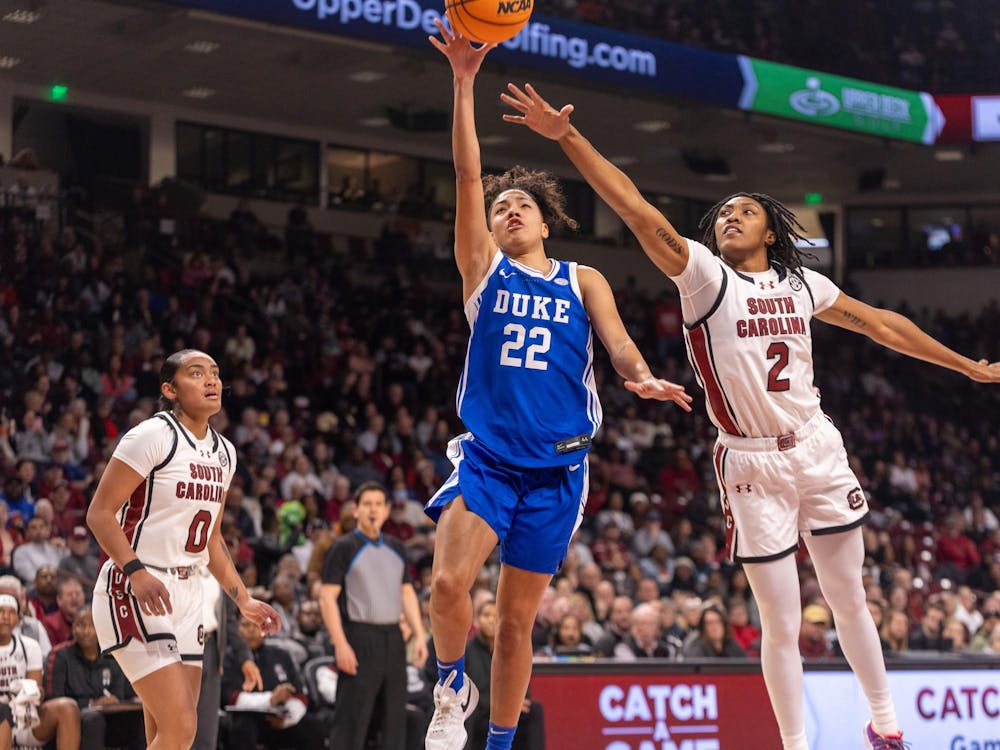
x=656 y=712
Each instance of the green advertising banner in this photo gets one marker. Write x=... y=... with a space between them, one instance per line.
x=835 y=101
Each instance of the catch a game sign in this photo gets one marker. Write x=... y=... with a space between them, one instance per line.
x=656 y=712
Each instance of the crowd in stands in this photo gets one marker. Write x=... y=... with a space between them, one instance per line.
x=929 y=45
x=343 y=370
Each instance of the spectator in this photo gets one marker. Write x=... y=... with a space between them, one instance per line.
x=81 y=563
x=20 y=507
x=77 y=669
x=567 y=641
x=276 y=715
x=617 y=628
x=930 y=635
x=715 y=637
x=643 y=641
x=9 y=537
x=37 y=551
x=816 y=624
x=896 y=631
x=69 y=600
x=744 y=633
x=42 y=596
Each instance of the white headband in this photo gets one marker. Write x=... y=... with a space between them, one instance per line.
x=6 y=600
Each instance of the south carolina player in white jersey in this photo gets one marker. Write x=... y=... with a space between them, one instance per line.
x=781 y=464
x=156 y=515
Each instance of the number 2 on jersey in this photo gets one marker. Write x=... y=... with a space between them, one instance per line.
x=515 y=344
x=198 y=531
x=778 y=349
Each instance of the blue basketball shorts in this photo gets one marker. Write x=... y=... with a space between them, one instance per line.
x=534 y=512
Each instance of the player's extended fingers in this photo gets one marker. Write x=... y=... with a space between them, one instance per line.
x=521 y=96
x=514 y=118
x=515 y=103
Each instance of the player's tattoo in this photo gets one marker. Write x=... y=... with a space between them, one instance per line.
x=670 y=240
x=853 y=319
x=233 y=591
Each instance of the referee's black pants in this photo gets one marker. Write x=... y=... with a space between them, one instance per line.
x=376 y=695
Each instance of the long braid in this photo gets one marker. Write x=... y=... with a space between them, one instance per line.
x=780 y=220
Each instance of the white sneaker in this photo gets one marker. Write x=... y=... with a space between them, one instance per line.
x=451 y=709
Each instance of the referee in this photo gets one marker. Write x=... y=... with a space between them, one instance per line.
x=365 y=587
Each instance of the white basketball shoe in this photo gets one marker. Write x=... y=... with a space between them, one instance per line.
x=451 y=709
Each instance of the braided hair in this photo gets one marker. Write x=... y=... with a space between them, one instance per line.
x=541 y=186
x=780 y=220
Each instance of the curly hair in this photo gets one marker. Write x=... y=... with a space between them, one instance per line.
x=779 y=219
x=542 y=186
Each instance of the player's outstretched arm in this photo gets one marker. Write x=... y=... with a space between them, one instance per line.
x=599 y=301
x=661 y=242
x=903 y=335
x=474 y=247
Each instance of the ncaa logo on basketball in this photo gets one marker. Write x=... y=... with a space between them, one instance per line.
x=794 y=282
x=513 y=6
x=855 y=498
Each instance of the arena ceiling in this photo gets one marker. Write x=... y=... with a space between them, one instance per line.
x=151 y=52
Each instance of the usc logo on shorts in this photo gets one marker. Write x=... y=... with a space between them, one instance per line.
x=855 y=498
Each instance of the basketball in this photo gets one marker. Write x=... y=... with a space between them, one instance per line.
x=488 y=20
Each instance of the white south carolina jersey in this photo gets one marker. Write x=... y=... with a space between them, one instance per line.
x=749 y=342
x=170 y=515
x=17 y=658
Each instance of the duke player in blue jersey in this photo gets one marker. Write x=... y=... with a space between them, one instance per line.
x=528 y=398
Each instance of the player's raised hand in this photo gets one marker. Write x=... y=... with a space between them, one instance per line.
x=536 y=113
x=985 y=372
x=464 y=58
x=150 y=593
x=661 y=390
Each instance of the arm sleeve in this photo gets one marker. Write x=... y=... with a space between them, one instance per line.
x=699 y=283
x=824 y=292
x=146 y=445
x=337 y=561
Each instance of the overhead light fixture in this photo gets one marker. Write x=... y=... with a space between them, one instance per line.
x=202 y=47
x=652 y=126
x=22 y=16
x=198 y=92
x=493 y=140
x=374 y=122
x=6 y=63
x=949 y=154
x=366 y=76
x=622 y=161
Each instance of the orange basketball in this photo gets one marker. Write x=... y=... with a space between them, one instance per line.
x=489 y=20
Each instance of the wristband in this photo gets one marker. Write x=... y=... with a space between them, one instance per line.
x=132 y=566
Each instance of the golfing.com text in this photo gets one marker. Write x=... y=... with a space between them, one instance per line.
x=534 y=39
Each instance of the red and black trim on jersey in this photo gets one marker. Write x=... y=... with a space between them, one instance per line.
x=702 y=359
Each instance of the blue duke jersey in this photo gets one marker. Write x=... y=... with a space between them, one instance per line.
x=750 y=344
x=527 y=391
